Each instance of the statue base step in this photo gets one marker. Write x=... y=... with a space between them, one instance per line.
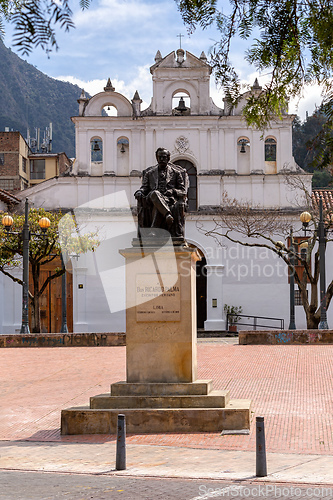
x=159 y=408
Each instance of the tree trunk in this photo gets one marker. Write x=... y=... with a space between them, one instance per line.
x=35 y=302
x=312 y=321
x=35 y=314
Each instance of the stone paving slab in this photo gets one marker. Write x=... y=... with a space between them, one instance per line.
x=291 y=386
x=163 y=461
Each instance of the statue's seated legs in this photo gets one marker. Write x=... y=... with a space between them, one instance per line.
x=161 y=209
x=178 y=213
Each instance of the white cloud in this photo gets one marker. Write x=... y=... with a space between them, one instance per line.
x=141 y=82
x=113 y=13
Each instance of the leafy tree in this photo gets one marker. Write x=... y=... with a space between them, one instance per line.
x=303 y=137
x=60 y=237
x=252 y=226
x=34 y=21
x=321 y=179
x=313 y=146
x=291 y=40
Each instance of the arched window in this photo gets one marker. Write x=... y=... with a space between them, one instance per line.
x=123 y=145
x=270 y=155
x=243 y=145
x=122 y=156
x=243 y=156
x=96 y=150
x=270 y=149
x=181 y=103
x=192 y=191
x=109 y=110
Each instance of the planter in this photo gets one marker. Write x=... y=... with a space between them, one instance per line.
x=233 y=328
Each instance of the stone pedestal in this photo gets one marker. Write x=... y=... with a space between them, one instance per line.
x=161 y=392
x=161 y=326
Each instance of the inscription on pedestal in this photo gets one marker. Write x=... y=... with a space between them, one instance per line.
x=157 y=297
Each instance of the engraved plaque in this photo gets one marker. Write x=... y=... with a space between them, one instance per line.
x=157 y=297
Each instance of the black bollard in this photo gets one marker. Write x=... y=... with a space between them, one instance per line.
x=121 y=443
x=261 y=464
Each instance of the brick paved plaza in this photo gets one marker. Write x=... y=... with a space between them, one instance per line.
x=291 y=386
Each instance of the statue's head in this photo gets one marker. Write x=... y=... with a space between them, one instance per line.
x=162 y=156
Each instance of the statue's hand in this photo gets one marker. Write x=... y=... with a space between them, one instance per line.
x=138 y=195
x=169 y=193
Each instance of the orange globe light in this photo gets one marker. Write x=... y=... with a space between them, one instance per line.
x=304 y=245
x=7 y=221
x=44 y=223
x=305 y=218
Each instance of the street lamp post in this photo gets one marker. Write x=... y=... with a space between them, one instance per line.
x=321 y=233
x=25 y=289
x=323 y=325
x=292 y=324
x=44 y=224
x=64 y=327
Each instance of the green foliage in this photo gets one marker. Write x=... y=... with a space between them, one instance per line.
x=321 y=179
x=195 y=12
x=323 y=142
x=290 y=40
x=61 y=237
x=236 y=310
x=42 y=248
x=34 y=21
x=312 y=147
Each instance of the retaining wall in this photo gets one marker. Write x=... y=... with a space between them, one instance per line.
x=272 y=337
x=63 y=340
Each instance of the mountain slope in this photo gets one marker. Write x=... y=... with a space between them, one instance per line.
x=28 y=98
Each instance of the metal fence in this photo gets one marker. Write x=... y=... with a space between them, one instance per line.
x=255 y=324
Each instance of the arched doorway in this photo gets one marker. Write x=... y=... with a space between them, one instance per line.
x=192 y=192
x=201 y=280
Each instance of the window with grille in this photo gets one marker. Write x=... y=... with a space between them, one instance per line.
x=298 y=298
x=299 y=268
x=7 y=184
x=2 y=158
x=37 y=169
x=270 y=149
x=24 y=164
x=192 y=192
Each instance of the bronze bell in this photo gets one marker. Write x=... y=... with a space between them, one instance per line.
x=181 y=105
x=96 y=146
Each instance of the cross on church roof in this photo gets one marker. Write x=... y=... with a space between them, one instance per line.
x=180 y=40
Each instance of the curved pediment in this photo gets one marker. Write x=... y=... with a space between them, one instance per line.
x=99 y=101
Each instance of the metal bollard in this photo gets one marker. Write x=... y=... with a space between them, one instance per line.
x=121 y=443
x=261 y=463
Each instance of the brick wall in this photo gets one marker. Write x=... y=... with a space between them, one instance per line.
x=64 y=163
x=12 y=147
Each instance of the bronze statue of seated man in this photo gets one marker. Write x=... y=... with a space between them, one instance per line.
x=161 y=198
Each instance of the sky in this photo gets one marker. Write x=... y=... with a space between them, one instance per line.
x=119 y=39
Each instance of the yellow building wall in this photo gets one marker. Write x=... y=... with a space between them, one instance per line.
x=51 y=170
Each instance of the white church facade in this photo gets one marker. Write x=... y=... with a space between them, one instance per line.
x=116 y=140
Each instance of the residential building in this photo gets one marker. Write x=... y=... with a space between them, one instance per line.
x=14 y=162
x=20 y=168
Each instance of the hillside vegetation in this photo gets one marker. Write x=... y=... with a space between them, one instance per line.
x=28 y=98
